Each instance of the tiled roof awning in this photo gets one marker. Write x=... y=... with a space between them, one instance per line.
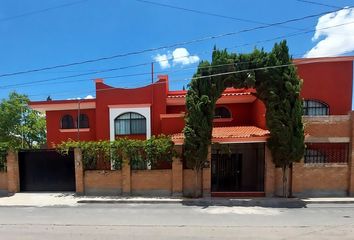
x=230 y=95
x=232 y=135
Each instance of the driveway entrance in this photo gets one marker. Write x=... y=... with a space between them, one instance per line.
x=46 y=170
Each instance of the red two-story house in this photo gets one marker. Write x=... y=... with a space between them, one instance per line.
x=239 y=127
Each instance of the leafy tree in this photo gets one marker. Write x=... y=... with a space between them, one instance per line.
x=20 y=126
x=278 y=86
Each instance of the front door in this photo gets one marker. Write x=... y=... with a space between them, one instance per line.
x=226 y=172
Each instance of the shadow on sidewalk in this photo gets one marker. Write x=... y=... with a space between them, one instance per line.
x=254 y=202
x=4 y=193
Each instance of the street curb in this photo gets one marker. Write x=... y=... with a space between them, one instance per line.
x=292 y=203
x=272 y=202
x=329 y=202
x=128 y=201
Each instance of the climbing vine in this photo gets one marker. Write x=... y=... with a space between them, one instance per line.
x=277 y=85
x=136 y=152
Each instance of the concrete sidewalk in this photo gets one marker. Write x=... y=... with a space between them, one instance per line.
x=70 y=199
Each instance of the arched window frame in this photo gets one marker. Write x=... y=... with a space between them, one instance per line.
x=321 y=110
x=221 y=118
x=83 y=121
x=129 y=124
x=67 y=122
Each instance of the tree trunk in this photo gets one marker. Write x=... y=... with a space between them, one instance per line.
x=197 y=190
x=285 y=169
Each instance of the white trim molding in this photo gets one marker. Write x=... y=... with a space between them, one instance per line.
x=118 y=110
x=62 y=106
x=70 y=130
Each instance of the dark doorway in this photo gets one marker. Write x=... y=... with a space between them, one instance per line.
x=227 y=170
x=46 y=170
x=237 y=167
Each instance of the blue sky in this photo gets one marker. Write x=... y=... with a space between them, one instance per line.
x=36 y=34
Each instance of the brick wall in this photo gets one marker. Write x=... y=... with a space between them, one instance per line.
x=151 y=182
x=269 y=174
x=320 y=180
x=13 y=174
x=3 y=183
x=328 y=126
x=103 y=182
x=278 y=182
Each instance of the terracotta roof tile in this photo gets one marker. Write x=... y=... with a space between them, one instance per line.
x=227 y=92
x=224 y=94
x=232 y=132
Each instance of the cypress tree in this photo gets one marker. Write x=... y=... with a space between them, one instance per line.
x=278 y=87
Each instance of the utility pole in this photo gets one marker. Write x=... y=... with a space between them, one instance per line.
x=152 y=72
x=78 y=120
x=22 y=133
x=22 y=125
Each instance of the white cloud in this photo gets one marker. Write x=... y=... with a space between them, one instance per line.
x=162 y=60
x=89 y=97
x=79 y=98
x=179 y=56
x=337 y=40
x=182 y=56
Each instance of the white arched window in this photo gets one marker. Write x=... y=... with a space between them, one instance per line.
x=130 y=123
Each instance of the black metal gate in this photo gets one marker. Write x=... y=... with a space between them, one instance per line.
x=226 y=172
x=237 y=168
x=46 y=170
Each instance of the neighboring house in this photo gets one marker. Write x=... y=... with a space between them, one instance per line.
x=240 y=163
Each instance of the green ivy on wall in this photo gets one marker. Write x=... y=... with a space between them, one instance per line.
x=135 y=152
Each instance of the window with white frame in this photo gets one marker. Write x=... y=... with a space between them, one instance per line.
x=130 y=123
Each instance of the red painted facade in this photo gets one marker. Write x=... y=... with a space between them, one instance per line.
x=328 y=80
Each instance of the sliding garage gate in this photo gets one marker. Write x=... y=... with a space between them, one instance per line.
x=46 y=170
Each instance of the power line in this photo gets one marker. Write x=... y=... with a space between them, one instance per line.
x=309 y=61
x=126 y=75
x=40 y=11
x=75 y=75
x=42 y=82
x=166 y=46
x=148 y=63
x=208 y=13
x=320 y=4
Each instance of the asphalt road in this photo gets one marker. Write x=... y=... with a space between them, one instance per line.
x=175 y=221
